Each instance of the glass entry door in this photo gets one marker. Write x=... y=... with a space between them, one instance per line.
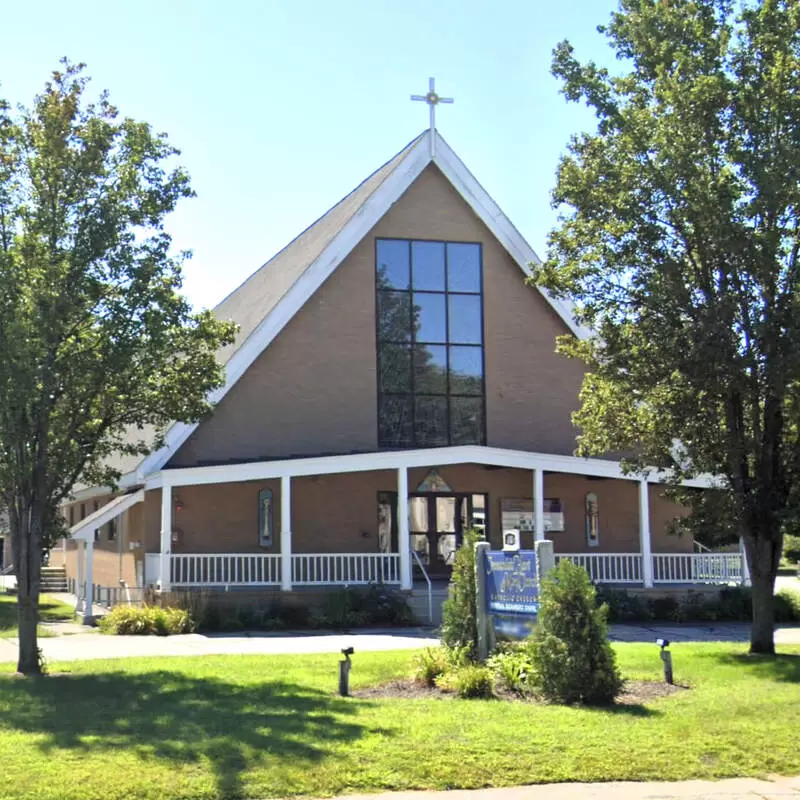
x=437 y=523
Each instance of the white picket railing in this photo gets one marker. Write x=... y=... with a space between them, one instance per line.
x=225 y=569
x=310 y=569
x=713 y=568
x=608 y=567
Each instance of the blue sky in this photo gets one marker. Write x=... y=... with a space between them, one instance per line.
x=281 y=108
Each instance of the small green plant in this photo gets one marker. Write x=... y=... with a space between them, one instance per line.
x=512 y=667
x=572 y=659
x=471 y=681
x=146 y=621
x=459 y=624
x=429 y=665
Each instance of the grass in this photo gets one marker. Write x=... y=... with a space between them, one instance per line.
x=50 y=610
x=271 y=726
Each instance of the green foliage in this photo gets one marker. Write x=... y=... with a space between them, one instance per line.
x=787 y=606
x=472 y=681
x=459 y=622
x=430 y=664
x=100 y=350
x=512 y=666
x=361 y=607
x=344 y=608
x=573 y=662
x=730 y=604
x=679 y=244
x=791 y=548
x=146 y=621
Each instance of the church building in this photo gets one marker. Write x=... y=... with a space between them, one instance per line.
x=394 y=383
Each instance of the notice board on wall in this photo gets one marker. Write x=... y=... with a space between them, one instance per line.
x=517 y=513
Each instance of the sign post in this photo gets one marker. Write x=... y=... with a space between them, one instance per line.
x=507 y=584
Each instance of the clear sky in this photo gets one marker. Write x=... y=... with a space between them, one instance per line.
x=282 y=107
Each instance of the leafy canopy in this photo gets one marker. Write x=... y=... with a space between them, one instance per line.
x=679 y=245
x=97 y=340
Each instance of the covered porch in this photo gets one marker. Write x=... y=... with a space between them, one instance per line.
x=621 y=549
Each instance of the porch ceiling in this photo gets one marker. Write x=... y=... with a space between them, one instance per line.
x=405 y=459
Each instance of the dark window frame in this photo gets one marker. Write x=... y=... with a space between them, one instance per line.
x=411 y=343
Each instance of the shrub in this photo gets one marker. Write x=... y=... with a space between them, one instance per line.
x=429 y=665
x=572 y=659
x=512 y=667
x=472 y=681
x=791 y=548
x=459 y=625
x=787 y=606
x=357 y=607
x=146 y=621
x=622 y=606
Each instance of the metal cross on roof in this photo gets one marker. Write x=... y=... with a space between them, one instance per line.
x=433 y=100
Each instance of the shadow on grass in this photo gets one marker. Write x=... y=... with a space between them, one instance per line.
x=174 y=717
x=784 y=667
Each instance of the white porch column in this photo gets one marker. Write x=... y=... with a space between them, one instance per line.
x=166 y=538
x=286 y=533
x=403 y=539
x=88 y=603
x=80 y=554
x=538 y=504
x=644 y=534
x=745 y=567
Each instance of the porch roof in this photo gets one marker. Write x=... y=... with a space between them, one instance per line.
x=85 y=529
x=399 y=459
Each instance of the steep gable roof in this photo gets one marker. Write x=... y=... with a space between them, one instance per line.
x=268 y=300
x=248 y=305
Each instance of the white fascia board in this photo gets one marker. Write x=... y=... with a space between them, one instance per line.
x=86 y=528
x=359 y=225
x=500 y=225
x=390 y=460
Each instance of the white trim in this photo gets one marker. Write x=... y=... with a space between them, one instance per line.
x=500 y=226
x=394 y=459
x=645 y=544
x=359 y=225
x=84 y=530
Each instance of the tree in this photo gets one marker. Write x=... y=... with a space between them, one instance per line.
x=459 y=616
x=97 y=341
x=679 y=245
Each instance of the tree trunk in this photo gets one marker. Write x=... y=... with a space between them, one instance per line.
x=28 y=557
x=763 y=556
x=762 y=638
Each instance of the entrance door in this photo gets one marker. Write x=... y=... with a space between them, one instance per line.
x=436 y=526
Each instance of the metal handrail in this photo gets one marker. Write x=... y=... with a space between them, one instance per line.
x=7 y=570
x=699 y=547
x=428 y=581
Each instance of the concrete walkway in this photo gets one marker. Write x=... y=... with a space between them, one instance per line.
x=85 y=646
x=93 y=645
x=732 y=789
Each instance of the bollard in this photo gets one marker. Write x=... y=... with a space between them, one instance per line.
x=666 y=657
x=344 y=672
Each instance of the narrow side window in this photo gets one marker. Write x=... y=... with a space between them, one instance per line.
x=265 y=518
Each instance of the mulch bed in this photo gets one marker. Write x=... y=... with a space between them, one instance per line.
x=634 y=693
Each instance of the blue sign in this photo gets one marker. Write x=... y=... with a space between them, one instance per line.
x=511 y=583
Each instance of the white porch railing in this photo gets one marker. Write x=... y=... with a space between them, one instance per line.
x=309 y=569
x=713 y=568
x=608 y=567
x=225 y=569
x=667 y=568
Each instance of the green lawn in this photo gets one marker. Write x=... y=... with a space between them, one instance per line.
x=271 y=726
x=50 y=610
